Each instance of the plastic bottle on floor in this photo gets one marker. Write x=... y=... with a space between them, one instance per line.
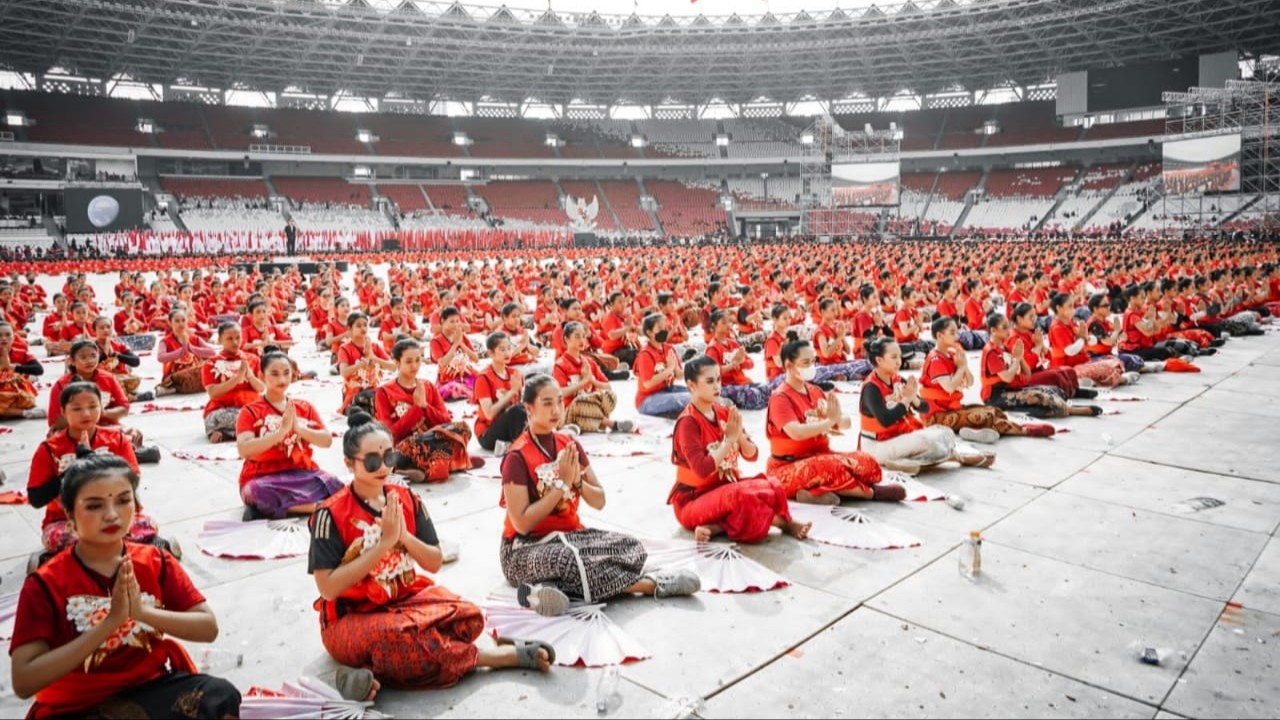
x=971 y=556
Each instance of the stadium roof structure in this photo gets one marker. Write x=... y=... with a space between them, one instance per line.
x=434 y=50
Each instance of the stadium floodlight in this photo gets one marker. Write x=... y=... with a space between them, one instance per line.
x=722 y=140
x=806 y=138
x=638 y=141
x=460 y=138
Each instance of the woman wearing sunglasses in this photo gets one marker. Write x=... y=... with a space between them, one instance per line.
x=379 y=617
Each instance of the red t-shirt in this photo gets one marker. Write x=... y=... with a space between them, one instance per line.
x=221 y=368
x=488 y=386
x=647 y=362
x=262 y=418
x=394 y=407
x=457 y=370
x=718 y=351
x=568 y=370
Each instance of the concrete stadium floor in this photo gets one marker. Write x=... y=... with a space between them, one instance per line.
x=1090 y=553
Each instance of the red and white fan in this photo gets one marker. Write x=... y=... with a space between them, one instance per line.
x=916 y=490
x=720 y=566
x=584 y=635
x=305 y=698
x=256 y=539
x=622 y=445
x=846 y=527
x=8 y=610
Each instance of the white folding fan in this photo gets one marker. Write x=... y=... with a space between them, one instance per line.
x=584 y=635
x=224 y=452
x=256 y=539
x=720 y=566
x=846 y=527
x=305 y=698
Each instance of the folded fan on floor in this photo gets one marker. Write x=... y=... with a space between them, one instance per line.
x=582 y=636
x=305 y=698
x=256 y=539
x=846 y=527
x=13 y=497
x=177 y=407
x=209 y=453
x=720 y=566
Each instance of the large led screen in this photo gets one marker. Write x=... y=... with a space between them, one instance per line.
x=1202 y=165
x=864 y=184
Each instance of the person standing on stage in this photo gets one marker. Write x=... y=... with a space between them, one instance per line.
x=291 y=237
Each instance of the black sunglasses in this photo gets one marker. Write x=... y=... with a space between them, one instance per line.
x=373 y=462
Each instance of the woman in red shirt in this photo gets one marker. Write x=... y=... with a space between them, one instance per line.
x=274 y=436
x=360 y=362
x=657 y=366
x=182 y=354
x=117 y=358
x=453 y=355
x=588 y=399
x=90 y=636
x=710 y=497
x=800 y=420
x=232 y=380
x=733 y=360
x=500 y=416
x=82 y=404
x=17 y=393
x=84 y=367
x=831 y=343
x=545 y=475
x=367 y=542
x=431 y=444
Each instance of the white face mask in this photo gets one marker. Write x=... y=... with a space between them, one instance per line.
x=807 y=374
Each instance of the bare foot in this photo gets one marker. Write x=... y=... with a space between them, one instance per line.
x=373 y=691
x=215 y=437
x=702 y=533
x=797 y=530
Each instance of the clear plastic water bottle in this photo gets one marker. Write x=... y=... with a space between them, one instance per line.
x=971 y=556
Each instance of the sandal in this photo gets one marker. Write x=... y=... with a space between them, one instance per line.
x=527 y=651
x=353 y=683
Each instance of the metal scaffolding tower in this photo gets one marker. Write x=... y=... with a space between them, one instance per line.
x=825 y=144
x=1250 y=108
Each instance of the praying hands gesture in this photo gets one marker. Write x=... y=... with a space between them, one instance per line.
x=911 y=392
x=733 y=426
x=287 y=422
x=569 y=468
x=420 y=395
x=835 y=414
x=391 y=525
x=123 y=590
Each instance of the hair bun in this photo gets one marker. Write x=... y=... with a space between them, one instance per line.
x=792 y=336
x=84 y=451
x=358 y=418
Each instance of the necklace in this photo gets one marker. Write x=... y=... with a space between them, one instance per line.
x=538 y=443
